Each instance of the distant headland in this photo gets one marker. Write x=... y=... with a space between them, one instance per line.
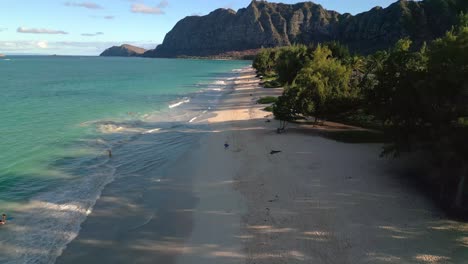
x=124 y=50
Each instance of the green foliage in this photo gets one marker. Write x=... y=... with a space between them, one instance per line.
x=323 y=84
x=462 y=20
x=422 y=96
x=446 y=95
x=375 y=62
x=285 y=109
x=290 y=62
x=422 y=99
x=265 y=61
x=338 y=50
x=358 y=117
x=267 y=100
x=268 y=108
x=397 y=97
x=272 y=83
x=321 y=87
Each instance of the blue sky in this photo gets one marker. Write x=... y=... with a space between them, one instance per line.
x=88 y=27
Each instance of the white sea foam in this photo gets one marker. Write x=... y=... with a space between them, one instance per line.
x=113 y=128
x=52 y=219
x=193 y=119
x=185 y=100
x=152 y=131
x=219 y=82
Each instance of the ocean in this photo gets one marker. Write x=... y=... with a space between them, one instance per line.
x=60 y=117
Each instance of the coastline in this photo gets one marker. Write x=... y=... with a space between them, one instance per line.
x=53 y=191
x=318 y=201
x=161 y=207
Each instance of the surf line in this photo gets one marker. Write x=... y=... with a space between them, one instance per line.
x=152 y=131
x=179 y=103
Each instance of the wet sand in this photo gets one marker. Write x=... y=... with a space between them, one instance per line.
x=317 y=201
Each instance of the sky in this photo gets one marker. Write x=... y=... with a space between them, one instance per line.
x=88 y=27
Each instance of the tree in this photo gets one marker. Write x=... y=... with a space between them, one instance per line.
x=373 y=64
x=312 y=93
x=338 y=50
x=261 y=60
x=445 y=105
x=290 y=62
x=285 y=109
x=423 y=99
x=265 y=61
x=396 y=97
x=323 y=82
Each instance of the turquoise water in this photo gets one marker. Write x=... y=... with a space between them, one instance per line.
x=61 y=114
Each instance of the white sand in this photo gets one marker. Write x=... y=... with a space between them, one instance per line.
x=318 y=201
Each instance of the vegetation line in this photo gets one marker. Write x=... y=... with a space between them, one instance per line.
x=419 y=98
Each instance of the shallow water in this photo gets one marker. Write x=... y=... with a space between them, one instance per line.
x=60 y=115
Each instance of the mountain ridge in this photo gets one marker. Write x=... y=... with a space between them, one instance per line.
x=265 y=24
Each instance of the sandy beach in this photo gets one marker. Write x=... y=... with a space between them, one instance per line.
x=316 y=201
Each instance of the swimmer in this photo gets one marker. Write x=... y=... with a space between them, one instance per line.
x=110 y=153
x=4 y=219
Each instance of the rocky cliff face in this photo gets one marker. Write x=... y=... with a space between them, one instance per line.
x=264 y=24
x=123 y=51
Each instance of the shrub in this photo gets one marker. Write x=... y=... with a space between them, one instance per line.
x=267 y=100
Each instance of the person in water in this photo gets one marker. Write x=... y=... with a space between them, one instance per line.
x=4 y=219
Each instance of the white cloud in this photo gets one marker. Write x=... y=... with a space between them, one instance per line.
x=145 y=9
x=109 y=17
x=23 y=45
x=89 y=5
x=8 y=45
x=40 y=31
x=92 y=34
x=42 y=44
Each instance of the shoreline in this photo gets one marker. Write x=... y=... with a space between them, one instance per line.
x=145 y=206
x=317 y=201
x=48 y=218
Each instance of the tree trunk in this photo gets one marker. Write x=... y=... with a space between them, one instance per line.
x=461 y=188
x=282 y=126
